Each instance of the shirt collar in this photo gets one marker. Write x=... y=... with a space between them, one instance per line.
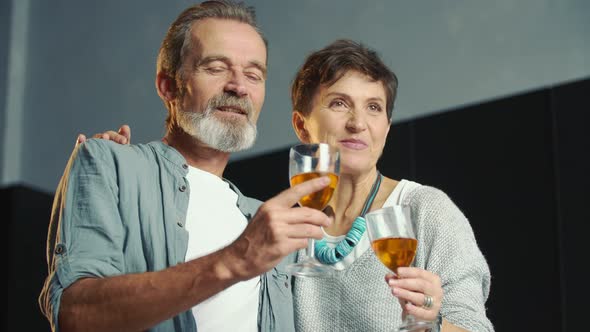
x=172 y=155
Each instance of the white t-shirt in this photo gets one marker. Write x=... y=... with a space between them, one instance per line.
x=395 y=198
x=213 y=221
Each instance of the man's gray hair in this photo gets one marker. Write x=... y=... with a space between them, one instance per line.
x=177 y=42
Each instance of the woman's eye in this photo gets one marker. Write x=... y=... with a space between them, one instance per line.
x=338 y=104
x=375 y=108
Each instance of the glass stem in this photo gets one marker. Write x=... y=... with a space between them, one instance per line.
x=311 y=249
x=409 y=319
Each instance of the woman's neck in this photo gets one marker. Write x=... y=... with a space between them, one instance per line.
x=348 y=200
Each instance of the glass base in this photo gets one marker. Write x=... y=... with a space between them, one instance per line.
x=310 y=268
x=415 y=325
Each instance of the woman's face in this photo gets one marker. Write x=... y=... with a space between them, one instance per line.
x=350 y=114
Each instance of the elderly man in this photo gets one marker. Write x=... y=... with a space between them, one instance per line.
x=151 y=237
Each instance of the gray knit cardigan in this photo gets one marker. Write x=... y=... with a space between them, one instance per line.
x=358 y=299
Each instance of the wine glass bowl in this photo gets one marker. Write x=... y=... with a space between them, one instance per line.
x=319 y=199
x=394 y=242
x=394 y=252
x=306 y=162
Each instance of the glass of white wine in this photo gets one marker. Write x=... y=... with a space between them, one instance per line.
x=394 y=243
x=306 y=162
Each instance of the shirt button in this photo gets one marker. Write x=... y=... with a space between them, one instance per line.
x=59 y=249
x=180 y=224
x=286 y=284
x=185 y=166
x=182 y=188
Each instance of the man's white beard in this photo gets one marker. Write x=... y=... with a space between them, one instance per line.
x=222 y=135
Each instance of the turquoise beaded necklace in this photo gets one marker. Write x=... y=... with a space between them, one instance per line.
x=328 y=255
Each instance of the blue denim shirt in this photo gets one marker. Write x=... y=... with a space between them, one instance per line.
x=121 y=209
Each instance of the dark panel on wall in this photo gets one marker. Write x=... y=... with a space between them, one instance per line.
x=495 y=161
x=397 y=161
x=28 y=213
x=571 y=111
x=261 y=177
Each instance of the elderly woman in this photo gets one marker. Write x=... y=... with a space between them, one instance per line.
x=345 y=94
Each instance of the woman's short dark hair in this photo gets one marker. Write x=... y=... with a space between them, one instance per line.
x=328 y=65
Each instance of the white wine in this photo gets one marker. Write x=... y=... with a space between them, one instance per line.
x=319 y=199
x=394 y=252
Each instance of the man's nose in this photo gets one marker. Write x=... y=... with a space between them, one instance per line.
x=236 y=84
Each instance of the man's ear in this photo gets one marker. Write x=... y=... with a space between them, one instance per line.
x=166 y=86
x=298 y=121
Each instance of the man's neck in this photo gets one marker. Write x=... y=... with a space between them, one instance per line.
x=196 y=153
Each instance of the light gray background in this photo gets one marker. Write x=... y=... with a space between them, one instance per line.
x=85 y=66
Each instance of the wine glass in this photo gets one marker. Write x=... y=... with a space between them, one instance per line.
x=394 y=243
x=306 y=162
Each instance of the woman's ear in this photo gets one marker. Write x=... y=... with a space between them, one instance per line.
x=298 y=121
x=166 y=86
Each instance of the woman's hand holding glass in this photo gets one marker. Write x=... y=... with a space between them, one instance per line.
x=392 y=238
x=411 y=285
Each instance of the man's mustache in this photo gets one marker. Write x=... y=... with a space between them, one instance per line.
x=229 y=100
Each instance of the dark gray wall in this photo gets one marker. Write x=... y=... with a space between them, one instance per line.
x=4 y=44
x=91 y=65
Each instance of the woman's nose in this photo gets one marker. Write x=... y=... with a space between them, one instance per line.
x=356 y=122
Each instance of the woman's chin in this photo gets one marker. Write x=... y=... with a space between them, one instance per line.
x=354 y=169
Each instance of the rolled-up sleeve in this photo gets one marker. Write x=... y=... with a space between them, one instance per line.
x=86 y=235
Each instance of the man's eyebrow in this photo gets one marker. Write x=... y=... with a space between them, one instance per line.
x=212 y=58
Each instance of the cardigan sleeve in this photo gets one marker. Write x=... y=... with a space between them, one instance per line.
x=448 y=248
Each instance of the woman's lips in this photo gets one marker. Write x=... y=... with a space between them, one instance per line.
x=354 y=144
